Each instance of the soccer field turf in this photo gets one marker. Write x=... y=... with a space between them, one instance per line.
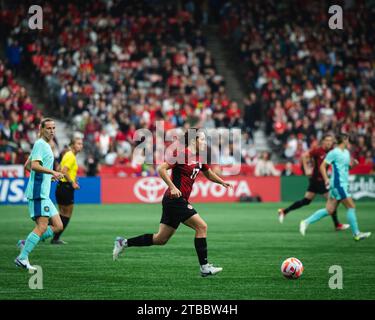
x=245 y=239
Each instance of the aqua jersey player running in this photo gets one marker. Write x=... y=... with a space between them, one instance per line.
x=41 y=208
x=316 y=181
x=339 y=159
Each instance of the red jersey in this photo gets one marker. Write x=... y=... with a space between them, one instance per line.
x=317 y=154
x=184 y=174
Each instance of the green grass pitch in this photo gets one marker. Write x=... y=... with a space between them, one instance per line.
x=245 y=239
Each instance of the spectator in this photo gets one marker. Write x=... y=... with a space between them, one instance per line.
x=288 y=170
x=265 y=167
x=306 y=80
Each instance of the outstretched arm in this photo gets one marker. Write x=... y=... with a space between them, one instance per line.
x=210 y=175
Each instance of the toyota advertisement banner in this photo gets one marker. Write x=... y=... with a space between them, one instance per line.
x=151 y=190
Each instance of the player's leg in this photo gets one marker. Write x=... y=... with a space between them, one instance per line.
x=65 y=199
x=306 y=200
x=331 y=207
x=338 y=226
x=148 y=239
x=200 y=242
x=352 y=218
x=173 y=211
x=31 y=242
x=160 y=238
x=66 y=212
x=46 y=209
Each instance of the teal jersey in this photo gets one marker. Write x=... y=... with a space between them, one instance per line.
x=39 y=184
x=340 y=161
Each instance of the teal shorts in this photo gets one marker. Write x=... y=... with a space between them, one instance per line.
x=339 y=192
x=41 y=208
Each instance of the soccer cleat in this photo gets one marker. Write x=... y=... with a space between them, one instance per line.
x=302 y=227
x=342 y=227
x=58 y=241
x=20 y=244
x=120 y=244
x=209 y=270
x=281 y=215
x=362 y=235
x=25 y=264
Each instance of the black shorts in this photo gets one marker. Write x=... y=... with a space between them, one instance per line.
x=176 y=211
x=64 y=193
x=317 y=186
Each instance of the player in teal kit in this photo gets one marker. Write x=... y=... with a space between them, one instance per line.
x=339 y=159
x=41 y=208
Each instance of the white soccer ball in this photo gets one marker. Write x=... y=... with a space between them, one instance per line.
x=292 y=268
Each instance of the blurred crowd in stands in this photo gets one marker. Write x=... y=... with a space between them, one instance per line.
x=19 y=119
x=109 y=68
x=307 y=78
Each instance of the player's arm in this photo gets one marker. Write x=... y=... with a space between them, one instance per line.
x=65 y=172
x=306 y=158
x=67 y=163
x=37 y=167
x=323 y=171
x=27 y=164
x=210 y=175
x=162 y=171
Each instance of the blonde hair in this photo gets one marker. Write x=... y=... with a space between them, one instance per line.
x=74 y=140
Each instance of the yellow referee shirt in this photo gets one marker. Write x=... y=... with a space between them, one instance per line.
x=69 y=160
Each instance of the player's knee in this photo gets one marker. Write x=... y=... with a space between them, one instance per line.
x=330 y=211
x=59 y=227
x=42 y=228
x=306 y=201
x=201 y=229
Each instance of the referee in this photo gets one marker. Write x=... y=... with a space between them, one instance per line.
x=67 y=185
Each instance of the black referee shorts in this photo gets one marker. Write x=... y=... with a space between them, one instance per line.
x=64 y=193
x=317 y=186
x=176 y=211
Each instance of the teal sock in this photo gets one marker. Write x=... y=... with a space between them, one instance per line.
x=30 y=243
x=316 y=216
x=47 y=234
x=352 y=218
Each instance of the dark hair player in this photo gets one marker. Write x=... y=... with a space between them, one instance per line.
x=176 y=206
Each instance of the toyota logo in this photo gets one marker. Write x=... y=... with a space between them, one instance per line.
x=150 y=189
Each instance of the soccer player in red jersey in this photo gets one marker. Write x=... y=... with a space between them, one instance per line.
x=316 y=181
x=176 y=206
